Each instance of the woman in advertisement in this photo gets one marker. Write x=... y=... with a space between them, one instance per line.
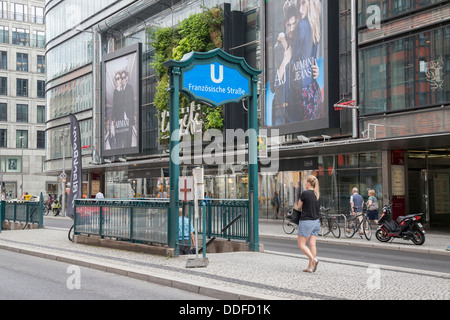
x=305 y=53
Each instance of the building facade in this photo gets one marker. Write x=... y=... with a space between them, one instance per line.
x=397 y=142
x=22 y=99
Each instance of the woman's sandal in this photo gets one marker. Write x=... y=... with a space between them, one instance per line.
x=309 y=270
x=315 y=263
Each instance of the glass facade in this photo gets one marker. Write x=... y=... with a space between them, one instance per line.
x=54 y=149
x=391 y=8
x=70 y=13
x=71 y=97
x=72 y=55
x=406 y=73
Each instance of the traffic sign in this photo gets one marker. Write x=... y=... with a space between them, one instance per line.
x=63 y=175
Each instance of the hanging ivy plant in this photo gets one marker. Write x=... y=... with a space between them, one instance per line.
x=200 y=32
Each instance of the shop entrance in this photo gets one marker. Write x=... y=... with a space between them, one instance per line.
x=429 y=185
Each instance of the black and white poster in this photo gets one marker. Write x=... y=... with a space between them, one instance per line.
x=121 y=103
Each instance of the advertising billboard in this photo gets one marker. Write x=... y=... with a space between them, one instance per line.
x=121 y=101
x=299 y=43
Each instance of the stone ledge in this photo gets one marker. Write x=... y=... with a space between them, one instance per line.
x=12 y=225
x=123 y=245
x=218 y=246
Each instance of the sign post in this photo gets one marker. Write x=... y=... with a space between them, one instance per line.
x=214 y=78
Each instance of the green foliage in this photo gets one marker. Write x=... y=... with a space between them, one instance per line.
x=200 y=32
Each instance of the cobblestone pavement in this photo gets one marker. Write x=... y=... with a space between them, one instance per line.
x=242 y=275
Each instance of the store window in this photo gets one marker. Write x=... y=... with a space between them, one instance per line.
x=40 y=114
x=22 y=62
x=19 y=12
x=337 y=176
x=406 y=73
x=3 y=86
x=21 y=139
x=3 y=112
x=22 y=113
x=22 y=88
x=41 y=89
x=3 y=138
x=40 y=64
x=4 y=34
x=3 y=60
x=390 y=8
x=40 y=140
x=20 y=36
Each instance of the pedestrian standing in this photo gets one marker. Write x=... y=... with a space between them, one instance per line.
x=309 y=224
x=356 y=203
x=99 y=195
x=372 y=206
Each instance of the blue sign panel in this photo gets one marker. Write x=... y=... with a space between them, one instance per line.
x=215 y=84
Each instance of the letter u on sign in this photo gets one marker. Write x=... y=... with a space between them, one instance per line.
x=213 y=74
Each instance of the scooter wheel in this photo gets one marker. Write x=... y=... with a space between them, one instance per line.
x=418 y=238
x=382 y=236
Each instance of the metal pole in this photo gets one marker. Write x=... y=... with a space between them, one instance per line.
x=354 y=69
x=174 y=157
x=253 y=166
x=63 y=198
x=21 y=185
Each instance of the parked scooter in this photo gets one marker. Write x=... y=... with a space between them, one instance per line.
x=406 y=227
x=56 y=208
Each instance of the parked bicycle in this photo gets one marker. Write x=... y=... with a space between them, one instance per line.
x=288 y=226
x=328 y=224
x=354 y=223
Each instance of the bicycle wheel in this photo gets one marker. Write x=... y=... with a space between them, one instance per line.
x=334 y=228
x=71 y=234
x=288 y=226
x=324 y=229
x=350 y=227
x=367 y=229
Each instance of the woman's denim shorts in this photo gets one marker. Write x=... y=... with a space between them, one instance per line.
x=307 y=228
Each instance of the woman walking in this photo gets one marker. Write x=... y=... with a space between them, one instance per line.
x=309 y=225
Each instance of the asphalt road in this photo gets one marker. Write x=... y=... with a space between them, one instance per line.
x=430 y=262
x=26 y=277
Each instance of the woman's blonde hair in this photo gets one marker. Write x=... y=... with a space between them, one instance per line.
x=314 y=11
x=312 y=180
x=372 y=193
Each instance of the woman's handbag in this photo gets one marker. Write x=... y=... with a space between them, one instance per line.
x=373 y=206
x=294 y=216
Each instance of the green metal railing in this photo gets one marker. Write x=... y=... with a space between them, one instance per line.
x=22 y=211
x=132 y=220
x=147 y=221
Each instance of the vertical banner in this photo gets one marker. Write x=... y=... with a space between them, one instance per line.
x=76 y=180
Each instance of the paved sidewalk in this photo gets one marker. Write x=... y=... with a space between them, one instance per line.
x=248 y=275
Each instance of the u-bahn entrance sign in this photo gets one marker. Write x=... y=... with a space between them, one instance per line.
x=214 y=78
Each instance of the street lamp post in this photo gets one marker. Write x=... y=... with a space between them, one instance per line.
x=21 y=184
x=63 y=135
